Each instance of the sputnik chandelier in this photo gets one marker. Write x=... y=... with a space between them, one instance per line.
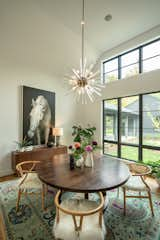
x=84 y=82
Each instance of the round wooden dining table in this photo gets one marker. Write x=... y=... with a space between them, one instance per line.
x=106 y=174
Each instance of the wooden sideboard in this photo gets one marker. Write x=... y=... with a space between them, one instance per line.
x=39 y=154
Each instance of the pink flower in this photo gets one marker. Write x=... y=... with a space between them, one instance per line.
x=88 y=148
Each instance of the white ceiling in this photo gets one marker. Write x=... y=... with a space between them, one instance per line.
x=45 y=34
x=130 y=18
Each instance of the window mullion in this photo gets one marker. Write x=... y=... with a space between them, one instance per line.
x=140 y=126
x=103 y=123
x=140 y=60
x=119 y=127
x=103 y=75
x=119 y=67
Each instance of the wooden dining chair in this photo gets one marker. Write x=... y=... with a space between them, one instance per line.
x=137 y=183
x=79 y=219
x=29 y=182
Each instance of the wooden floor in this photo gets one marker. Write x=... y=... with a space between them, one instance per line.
x=7 y=178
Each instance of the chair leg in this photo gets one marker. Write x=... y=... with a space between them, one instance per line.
x=100 y=218
x=124 y=199
x=150 y=202
x=45 y=193
x=18 y=200
x=117 y=192
x=86 y=196
x=46 y=189
x=57 y=215
x=43 y=197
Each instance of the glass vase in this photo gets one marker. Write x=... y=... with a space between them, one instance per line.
x=89 y=160
x=79 y=161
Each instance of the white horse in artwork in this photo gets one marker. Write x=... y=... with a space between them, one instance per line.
x=40 y=119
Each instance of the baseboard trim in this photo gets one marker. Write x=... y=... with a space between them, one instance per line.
x=4 y=173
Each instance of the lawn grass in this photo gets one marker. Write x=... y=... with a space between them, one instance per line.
x=131 y=153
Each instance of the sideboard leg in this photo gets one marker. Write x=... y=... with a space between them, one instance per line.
x=86 y=196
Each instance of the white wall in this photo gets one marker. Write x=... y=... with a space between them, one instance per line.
x=36 y=49
x=146 y=82
x=11 y=78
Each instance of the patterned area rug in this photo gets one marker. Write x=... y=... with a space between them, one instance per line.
x=32 y=223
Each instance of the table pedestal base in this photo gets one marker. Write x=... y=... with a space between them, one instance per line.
x=86 y=196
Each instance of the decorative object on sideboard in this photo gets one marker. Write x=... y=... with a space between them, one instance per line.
x=24 y=145
x=84 y=82
x=57 y=133
x=38 y=114
x=50 y=144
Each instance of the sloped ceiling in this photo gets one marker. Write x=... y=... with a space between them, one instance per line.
x=45 y=34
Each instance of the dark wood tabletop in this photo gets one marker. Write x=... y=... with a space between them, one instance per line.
x=107 y=173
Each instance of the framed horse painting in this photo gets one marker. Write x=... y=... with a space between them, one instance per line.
x=38 y=115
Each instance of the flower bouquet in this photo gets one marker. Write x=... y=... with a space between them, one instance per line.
x=80 y=150
x=77 y=150
x=84 y=145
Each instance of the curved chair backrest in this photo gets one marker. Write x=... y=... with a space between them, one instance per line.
x=138 y=169
x=81 y=214
x=26 y=167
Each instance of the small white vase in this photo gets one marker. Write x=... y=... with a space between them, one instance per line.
x=80 y=162
x=22 y=149
x=89 y=160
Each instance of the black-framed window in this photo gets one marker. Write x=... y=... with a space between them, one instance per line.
x=110 y=70
x=144 y=58
x=131 y=127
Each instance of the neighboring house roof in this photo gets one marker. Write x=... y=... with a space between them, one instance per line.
x=149 y=97
x=113 y=108
x=110 y=107
x=127 y=109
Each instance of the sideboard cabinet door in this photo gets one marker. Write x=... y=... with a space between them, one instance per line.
x=37 y=154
